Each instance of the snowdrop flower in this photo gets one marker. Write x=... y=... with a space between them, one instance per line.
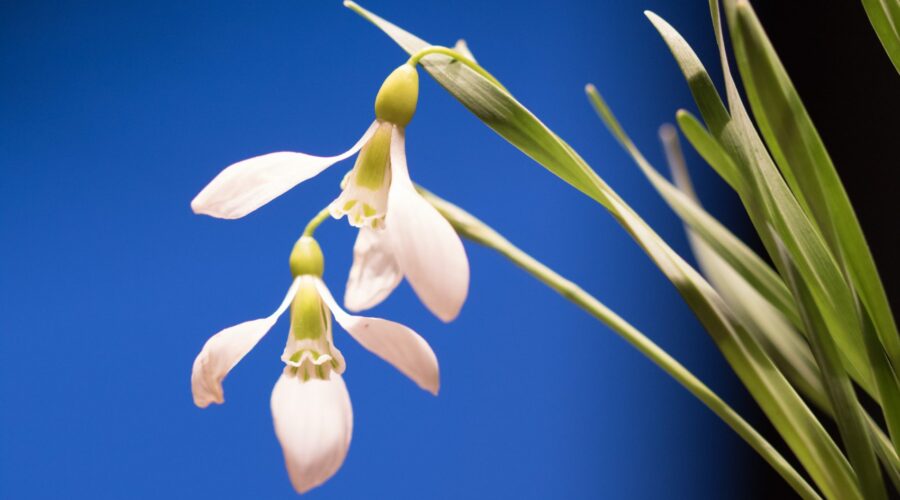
x=310 y=404
x=377 y=195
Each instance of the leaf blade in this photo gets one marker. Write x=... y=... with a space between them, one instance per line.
x=806 y=165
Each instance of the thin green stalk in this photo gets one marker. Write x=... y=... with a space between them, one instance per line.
x=437 y=49
x=316 y=221
x=473 y=229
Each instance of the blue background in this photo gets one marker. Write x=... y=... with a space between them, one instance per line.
x=113 y=115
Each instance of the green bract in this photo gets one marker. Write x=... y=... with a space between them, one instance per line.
x=397 y=98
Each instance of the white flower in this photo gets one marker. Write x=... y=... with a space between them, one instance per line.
x=377 y=195
x=416 y=242
x=310 y=405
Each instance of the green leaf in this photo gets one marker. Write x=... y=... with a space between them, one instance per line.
x=769 y=201
x=885 y=18
x=711 y=151
x=847 y=409
x=740 y=257
x=691 y=213
x=702 y=88
x=782 y=343
x=787 y=411
x=806 y=165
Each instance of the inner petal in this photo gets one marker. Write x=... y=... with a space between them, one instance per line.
x=310 y=351
x=364 y=194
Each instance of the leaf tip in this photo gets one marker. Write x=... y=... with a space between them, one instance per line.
x=667 y=132
x=652 y=16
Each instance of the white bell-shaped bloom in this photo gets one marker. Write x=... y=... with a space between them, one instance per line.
x=311 y=409
x=416 y=242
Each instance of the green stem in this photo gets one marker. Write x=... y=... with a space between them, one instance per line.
x=315 y=221
x=437 y=49
x=470 y=227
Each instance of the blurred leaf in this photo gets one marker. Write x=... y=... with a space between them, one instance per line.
x=885 y=18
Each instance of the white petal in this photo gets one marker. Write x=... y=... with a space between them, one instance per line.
x=250 y=184
x=392 y=342
x=314 y=424
x=428 y=250
x=225 y=349
x=374 y=273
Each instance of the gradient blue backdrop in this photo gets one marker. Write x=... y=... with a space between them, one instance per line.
x=114 y=114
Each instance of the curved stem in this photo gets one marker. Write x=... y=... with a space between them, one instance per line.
x=470 y=227
x=315 y=221
x=437 y=49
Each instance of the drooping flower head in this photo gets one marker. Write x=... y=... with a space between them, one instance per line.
x=408 y=238
x=311 y=408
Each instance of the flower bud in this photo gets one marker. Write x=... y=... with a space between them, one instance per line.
x=397 y=98
x=306 y=258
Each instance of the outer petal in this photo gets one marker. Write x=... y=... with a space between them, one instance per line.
x=427 y=248
x=392 y=342
x=314 y=424
x=375 y=272
x=225 y=349
x=250 y=184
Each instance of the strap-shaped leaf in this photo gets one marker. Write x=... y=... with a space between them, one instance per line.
x=806 y=165
x=768 y=200
x=731 y=248
x=787 y=411
x=691 y=213
x=780 y=340
x=885 y=18
x=847 y=410
x=711 y=151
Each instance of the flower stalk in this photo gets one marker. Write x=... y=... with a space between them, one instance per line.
x=437 y=49
x=316 y=221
